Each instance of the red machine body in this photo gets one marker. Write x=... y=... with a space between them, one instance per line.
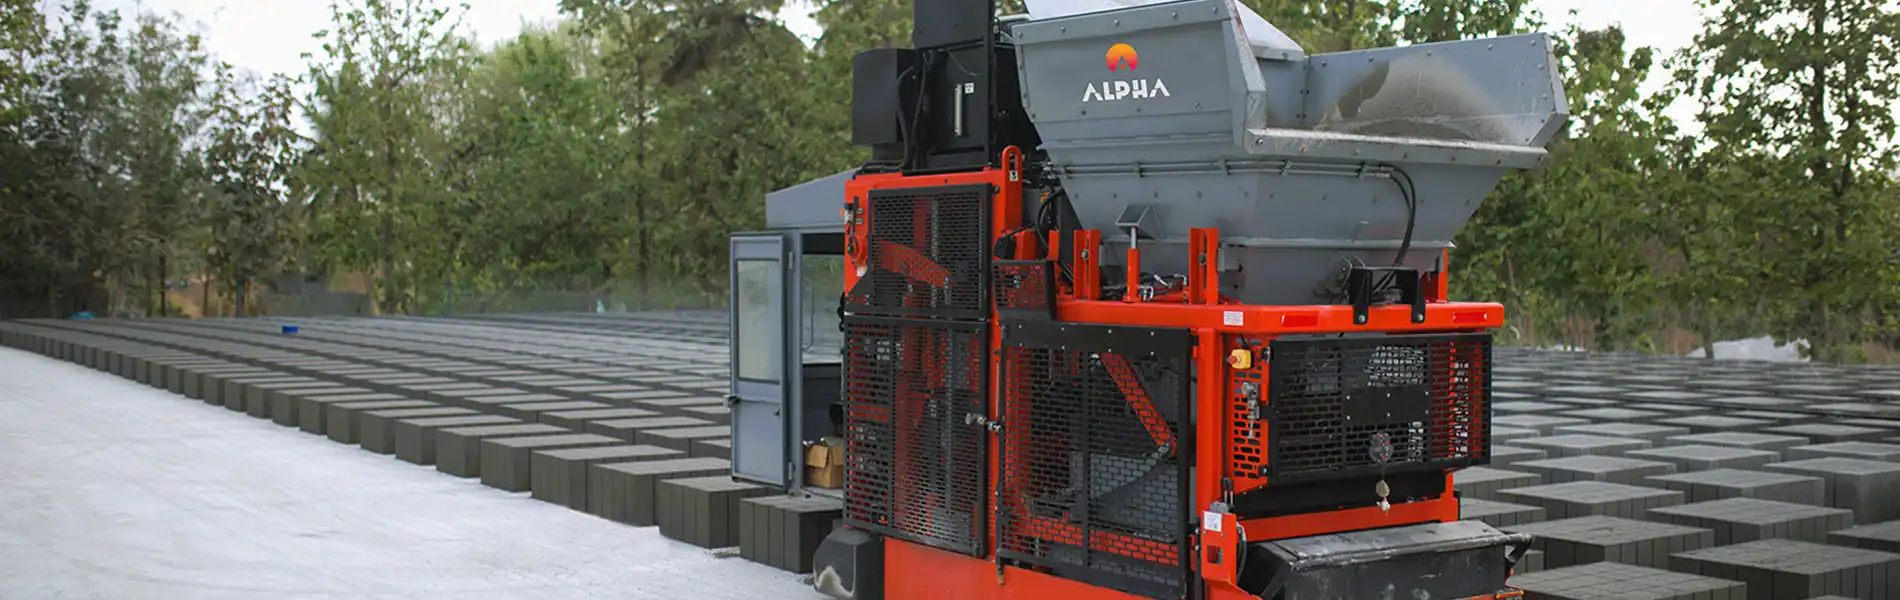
x=917 y=384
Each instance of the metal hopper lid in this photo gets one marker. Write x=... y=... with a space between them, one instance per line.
x=1266 y=40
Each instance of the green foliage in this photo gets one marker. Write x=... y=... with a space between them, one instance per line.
x=604 y=160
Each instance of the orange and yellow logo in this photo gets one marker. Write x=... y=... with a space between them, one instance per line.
x=1120 y=55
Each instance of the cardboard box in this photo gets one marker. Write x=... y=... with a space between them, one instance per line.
x=824 y=464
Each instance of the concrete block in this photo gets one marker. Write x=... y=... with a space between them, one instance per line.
x=1778 y=417
x=1505 y=455
x=1627 y=471
x=1588 y=498
x=312 y=418
x=1697 y=457
x=199 y=384
x=681 y=438
x=1654 y=434
x=530 y=411
x=1884 y=537
x=1860 y=450
x=458 y=449
x=713 y=448
x=461 y=396
x=488 y=403
x=1739 y=439
x=1584 y=540
x=624 y=492
x=258 y=398
x=1869 y=488
x=702 y=511
x=342 y=422
x=1716 y=484
x=783 y=531
x=1821 y=433
x=1614 y=413
x=677 y=406
x=283 y=403
x=626 y=429
x=560 y=476
x=508 y=463
x=232 y=392
x=1618 y=581
x=1559 y=446
x=377 y=428
x=719 y=415
x=1778 y=568
x=1498 y=514
x=1738 y=520
x=577 y=419
x=1541 y=423
x=415 y=438
x=1484 y=482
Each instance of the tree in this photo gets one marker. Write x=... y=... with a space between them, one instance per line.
x=248 y=166
x=1803 y=91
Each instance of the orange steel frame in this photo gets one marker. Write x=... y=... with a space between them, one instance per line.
x=914 y=571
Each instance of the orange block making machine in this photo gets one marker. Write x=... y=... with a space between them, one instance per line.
x=1139 y=300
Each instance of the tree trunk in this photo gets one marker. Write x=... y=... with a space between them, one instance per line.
x=164 y=307
x=239 y=296
x=52 y=294
x=204 y=305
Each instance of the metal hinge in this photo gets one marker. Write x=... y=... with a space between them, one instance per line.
x=982 y=421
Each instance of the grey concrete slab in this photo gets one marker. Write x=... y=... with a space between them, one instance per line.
x=458 y=449
x=283 y=403
x=259 y=398
x=1543 y=424
x=712 y=448
x=508 y=462
x=312 y=416
x=1862 y=450
x=681 y=438
x=1716 y=484
x=1738 y=439
x=232 y=391
x=624 y=492
x=1778 y=568
x=1821 y=433
x=377 y=428
x=1587 y=498
x=1654 y=434
x=1869 y=488
x=702 y=511
x=1484 y=482
x=626 y=429
x=1738 y=520
x=415 y=438
x=560 y=476
x=577 y=419
x=1505 y=455
x=531 y=411
x=1884 y=537
x=1618 y=581
x=1498 y=514
x=1627 y=471
x=1696 y=457
x=1559 y=446
x=342 y=421
x=1584 y=540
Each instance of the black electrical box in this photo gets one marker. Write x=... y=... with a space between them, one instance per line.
x=950 y=22
x=879 y=91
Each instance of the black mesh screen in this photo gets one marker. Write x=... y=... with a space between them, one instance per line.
x=927 y=251
x=914 y=466
x=1024 y=288
x=1095 y=454
x=1342 y=407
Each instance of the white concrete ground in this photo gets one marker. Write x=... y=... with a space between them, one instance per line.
x=114 y=490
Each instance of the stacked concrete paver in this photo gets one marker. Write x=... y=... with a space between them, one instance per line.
x=1639 y=477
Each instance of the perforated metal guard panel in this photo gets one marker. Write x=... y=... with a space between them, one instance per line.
x=928 y=253
x=1344 y=407
x=1095 y=454
x=1024 y=288
x=914 y=468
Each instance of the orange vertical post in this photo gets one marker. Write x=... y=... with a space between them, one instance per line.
x=1088 y=264
x=1204 y=276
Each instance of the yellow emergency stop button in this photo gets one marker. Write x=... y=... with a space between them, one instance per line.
x=1240 y=359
